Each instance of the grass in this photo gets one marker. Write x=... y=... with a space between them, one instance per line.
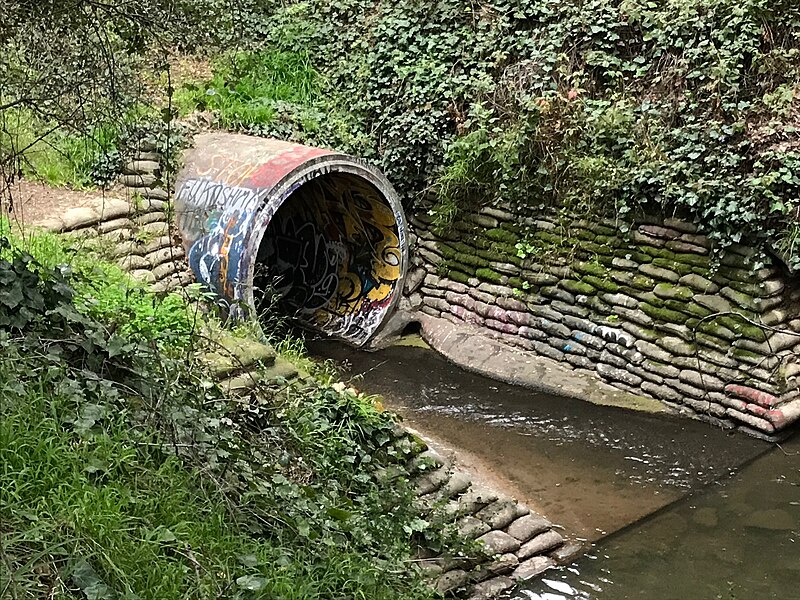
x=126 y=473
x=104 y=291
x=248 y=87
x=52 y=154
x=133 y=520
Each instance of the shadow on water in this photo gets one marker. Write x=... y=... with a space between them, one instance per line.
x=592 y=469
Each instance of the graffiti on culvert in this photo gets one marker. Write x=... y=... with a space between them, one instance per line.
x=339 y=255
x=220 y=235
x=335 y=255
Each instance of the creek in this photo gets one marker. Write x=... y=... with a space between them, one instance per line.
x=663 y=507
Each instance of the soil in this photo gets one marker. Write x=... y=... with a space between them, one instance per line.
x=34 y=202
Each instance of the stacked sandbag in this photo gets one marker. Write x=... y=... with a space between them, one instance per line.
x=647 y=308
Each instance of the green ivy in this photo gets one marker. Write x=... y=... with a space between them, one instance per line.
x=685 y=106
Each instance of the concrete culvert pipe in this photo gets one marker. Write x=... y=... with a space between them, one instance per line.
x=321 y=233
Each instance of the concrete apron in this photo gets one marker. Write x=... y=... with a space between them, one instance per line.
x=471 y=349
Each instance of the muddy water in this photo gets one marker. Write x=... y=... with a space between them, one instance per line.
x=739 y=539
x=592 y=469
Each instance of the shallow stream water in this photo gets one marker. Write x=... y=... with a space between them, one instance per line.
x=665 y=507
x=739 y=539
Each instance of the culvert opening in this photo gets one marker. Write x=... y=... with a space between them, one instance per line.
x=331 y=258
x=318 y=236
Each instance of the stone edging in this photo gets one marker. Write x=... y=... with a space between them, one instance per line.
x=137 y=232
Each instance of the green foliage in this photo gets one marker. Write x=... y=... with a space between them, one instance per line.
x=28 y=291
x=684 y=106
x=249 y=89
x=109 y=294
x=76 y=81
x=213 y=502
x=103 y=291
x=128 y=474
x=56 y=156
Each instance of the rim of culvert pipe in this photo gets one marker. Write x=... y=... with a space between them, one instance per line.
x=309 y=170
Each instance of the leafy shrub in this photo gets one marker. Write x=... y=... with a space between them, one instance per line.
x=119 y=455
x=29 y=292
x=98 y=290
x=685 y=106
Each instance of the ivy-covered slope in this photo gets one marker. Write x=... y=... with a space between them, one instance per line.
x=689 y=105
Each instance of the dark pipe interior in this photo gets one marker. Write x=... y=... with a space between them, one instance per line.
x=412 y=328
x=330 y=255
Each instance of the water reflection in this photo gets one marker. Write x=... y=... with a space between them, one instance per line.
x=592 y=469
x=737 y=540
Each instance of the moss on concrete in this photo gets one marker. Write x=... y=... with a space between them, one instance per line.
x=655 y=252
x=605 y=230
x=504 y=248
x=500 y=257
x=512 y=227
x=590 y=268
x=465 y=227
x=611 y=241
x=458 y=276
x=446 y=250
x=549 y=238
x=743 y=328
x=601 y=283
x=502 y=235
x=454 y=265
x=674 y=292
x=596 y=248
x=697 y=260
x=746 y=355
x=480 y=243
x=678 y=267
x=651 y=299
x=665 y=315
x=650 y=335
x=629 y=253
x=688 y=307
x=489 y=275
x=732 y=273
x=605 y=260
x=577 y=287
x=713 y=327
x=520 y=284
x=470 y=259
x=642 y=282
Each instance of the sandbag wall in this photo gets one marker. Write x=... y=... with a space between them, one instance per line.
x=135 y=230
x=646 y=308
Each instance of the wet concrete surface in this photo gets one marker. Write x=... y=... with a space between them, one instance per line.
x=592 y=469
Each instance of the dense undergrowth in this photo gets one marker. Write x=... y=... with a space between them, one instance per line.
x=598 y=106
x=125 y=472
x=690 y=107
